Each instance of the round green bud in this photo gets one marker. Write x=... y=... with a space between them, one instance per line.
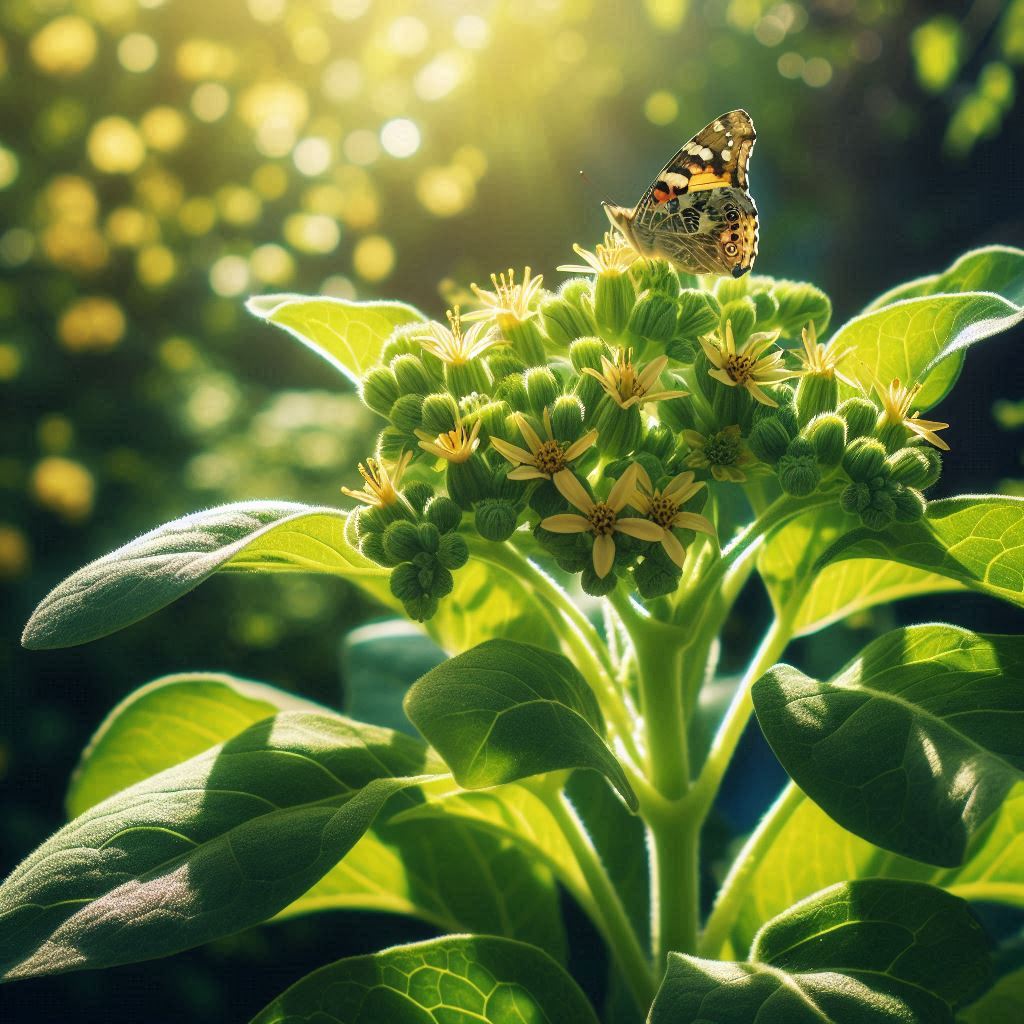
x=546 y=500
x=435 y=579
x=402 y=541
x=525 y=339
x=428 y=537
x=935 y=468
x=659 y=441
x=653 y=317
x=402 y=343
x=800 y=448
x=909 y=505
x=860 y=416
x=678 y=414
x=620 y=430
x=512 y=389
x=730 y=404
x=875 y=518
x=421 y=608
x=614 y=298
x=799 y=474
x=597 y=586
x=469 y=481
x=864 y=458
x=587 y=352
x=411 y=375
x=406 y=413
x=452 y=551
x=742 y=313
x=372 y=546
x=418 y=494
x=503 y=362
x=910 y=466
x=443 y=513
x=379 y=390
x=893 y=435
x=698 y=313
x=883 y=501
x=439 y=413
x=391 y=443
x=827 y=432
x=495 y=518
x=855 y=498
x=816 y=394
x=494 y=421
x=567 y=418
x=657 y=275
x=470 y=378
x=406 y=584
x=566 y=320
x=541 y=388
x=769 y=440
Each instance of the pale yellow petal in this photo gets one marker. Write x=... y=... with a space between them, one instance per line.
x=713 y=352
x=723 y=377
x=624 y=486
x=642 y=529
x=527 y=473
x=511 y=452
x=577 y=448
x=692 y=521
x=604 y=555
x=674 y=550
x=528 y=432
x=651 y=372
x=566 y=522
x=682 y=488
x=572 y=490
x=757 y=394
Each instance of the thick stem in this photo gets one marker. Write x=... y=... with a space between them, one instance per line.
x=612 y=918
x=737 y=883
x=675 y=883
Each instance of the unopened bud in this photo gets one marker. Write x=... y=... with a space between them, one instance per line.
x=495 y=518
x=379 y=390
x=769 y=440
x=443 y=513
x=614 y=298
x=909 y=505
x=653 y=318
x=860 y=416
x=827 y=433
x=541 y=388
x=621 y=430
x=469 y=481
x=816 y=394
x=406 y=413
x=452 y=551
x=439 y=413
x=411 y=375
x=864 y=459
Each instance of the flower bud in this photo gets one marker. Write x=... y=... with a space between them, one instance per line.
x=614 y=298
x=406 y=413
x=452 y=551
x=428 y=537
x=541 y=388
x=766 y=308
x=379 y=390
x=653 y=318
x=546 y=501
x=729 y=404
x=855 y=498
x=391 y=443
x=743 y=314
x=433 y=577
x=439 y=413
x=678 y=414
x=402 y=541
x=566 y=319
x=418 y=494
x=468 y=378
x=799 y=303
x=769 y=440
x=935 y=468
x=597 y=586
x=864 y=459
x=411 y=375
x=513 y=391
x=406 y=584
x=860 y=416
x=816 y=394
x=567 y=418
x=494 y=421
x=372 y=546
x=875 y=519
x=827 y=433
x=495 y=518
x=524 y=338
x=586 y=352
x=504 y=363
x=798 y=468
x=620 y=430
x=893 y=435
x=910 y=466
x=443 y=513
x=909 y=505
x=699 y=313
x=469 y=481
x=402 y=343
x=656 y=275
x=659 y=441
x=731 y=289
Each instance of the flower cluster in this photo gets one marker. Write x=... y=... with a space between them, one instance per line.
x=597 y=425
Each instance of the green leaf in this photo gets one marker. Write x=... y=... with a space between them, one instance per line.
x=811 y=852
x=1001 y=1004
x=993 y=268
x=914 y=745
x=506 y=710
x=921 y=340
x=454 y=874
x=349 y=335
x=205 y=848
x=975 y=540
x=157 y=568
x=814 y=600
x=458 y=978
x=870 y=952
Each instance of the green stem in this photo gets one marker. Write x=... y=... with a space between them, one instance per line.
x=735 y=887
x=612 y=918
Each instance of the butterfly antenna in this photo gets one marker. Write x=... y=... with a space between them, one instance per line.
x=583 y=176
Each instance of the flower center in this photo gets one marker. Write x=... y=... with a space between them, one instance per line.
x=602 y=519
x=739 y=367
x=662 y=511
x=722 y=449
x=550 y=457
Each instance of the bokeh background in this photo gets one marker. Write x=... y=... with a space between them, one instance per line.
x=160 y=160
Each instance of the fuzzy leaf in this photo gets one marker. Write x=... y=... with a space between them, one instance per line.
x=914 y=745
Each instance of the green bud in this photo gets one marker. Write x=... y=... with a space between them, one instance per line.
x=469 y=378
x=827 y=433
x=391 y=443
x=402 y=343
x=406 y=584
x=443 y=513
x=653 y=318
x=935 y=470
x=513 y=390
x=656 y=275
x=678 y=414
x=860 y=416
x=699 y=313
x=893 y=435
x=567 y=418
x=875 y=518
x=815 y=394
x=379 y=390
x=452 y=551
x=494 y=421
x=421 y=608
x=620 y=430
x=614 y=298
x=417 y=494
x=910 y=505
x=864 y=459
x=766 y=308
x=798 y=468
x=525 y=339
x=597 y=586
x=769 y=440
x=372 y=546
x=504 y=363
x=433 y=577
x=682 y=350
x=800 y=303
x=402 y=541
x=587 y=352
x=910 y=466
x=411 y=375
x=428 y=537
x=660 y=441
x=469 y=481
x=495 y=518
x=855 y=498
x=439 y=413
x=731 y=289
x=541 y=388
x=406 y=413
x=546 y=500
x=566 y=320
x=743 y=315
x=729 y=404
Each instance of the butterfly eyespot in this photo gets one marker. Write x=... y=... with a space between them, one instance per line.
x=731 y=215
x=731 y=249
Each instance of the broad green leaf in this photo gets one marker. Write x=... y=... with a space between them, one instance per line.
x=811 y=852
x=914 y=745
x=868 y=952
x=453 y=874
x=349 y=335
x=505 y=711
x=1001 y=1004
x=975 y=540
x=993 y=268
x=921 y=340
x=820 y=598
x=455 y=979
x=157 y=568
x=205 y=848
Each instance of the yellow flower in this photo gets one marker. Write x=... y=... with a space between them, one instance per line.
x=614 y=254
x=746 y=367
x=662 y=507
x=600 y=518
x=545 y=458
x=819 y=361
x=724 y=453
x=453 y=445
x=508 y=298
x=453 y=347
x=381 y=482
x=896 y=403
x=626 y=385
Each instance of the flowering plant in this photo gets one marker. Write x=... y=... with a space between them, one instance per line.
x=570 y=491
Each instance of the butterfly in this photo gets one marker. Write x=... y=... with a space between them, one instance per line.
x=698 y=214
